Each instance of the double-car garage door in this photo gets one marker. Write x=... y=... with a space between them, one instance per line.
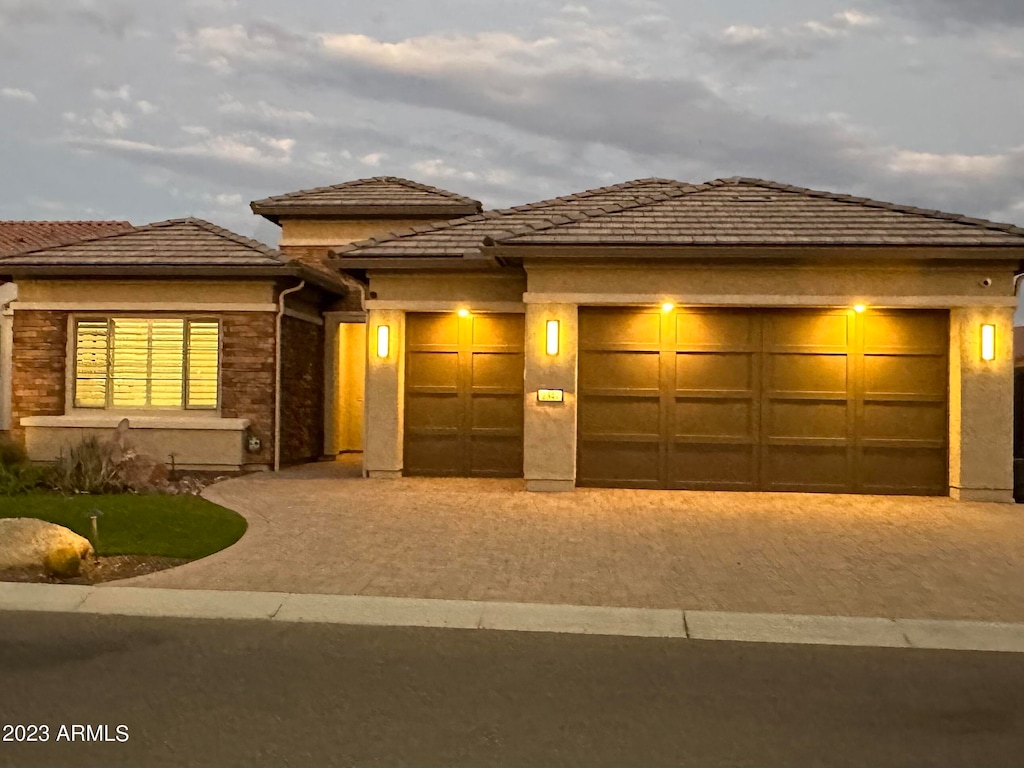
x=731 y=399
x=785 y=400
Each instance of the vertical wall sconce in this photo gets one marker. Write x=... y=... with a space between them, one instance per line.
x=552 y=338
x=988 y=342
x=383 y=341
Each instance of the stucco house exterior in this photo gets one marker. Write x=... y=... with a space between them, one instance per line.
x=205 y=340
x=734 y=335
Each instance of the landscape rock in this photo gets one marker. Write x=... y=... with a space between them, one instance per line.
x=26 y=542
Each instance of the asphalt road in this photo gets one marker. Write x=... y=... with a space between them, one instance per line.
x=258 y=693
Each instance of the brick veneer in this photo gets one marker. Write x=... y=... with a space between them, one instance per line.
x=247 y=376
x=37 y=375
x=302 y=390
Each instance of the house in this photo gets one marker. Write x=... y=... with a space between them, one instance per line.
x=20 y=236
x=205 y=340
x=734 y=335
x=738 y=335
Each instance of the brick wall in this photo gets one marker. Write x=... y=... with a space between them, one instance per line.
x=302 y=390
x=37 y=374
x=247 y=376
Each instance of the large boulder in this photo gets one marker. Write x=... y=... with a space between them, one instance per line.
x=26 y=542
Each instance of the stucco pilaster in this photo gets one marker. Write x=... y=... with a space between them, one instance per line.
x=385 y=396
x=980 y=407
x=549 y=428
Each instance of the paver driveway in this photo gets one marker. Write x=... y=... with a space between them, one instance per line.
x=321 y=528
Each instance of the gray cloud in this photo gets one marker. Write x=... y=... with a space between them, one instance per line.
x=960 y=13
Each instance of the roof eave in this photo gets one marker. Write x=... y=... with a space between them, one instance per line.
x=276 y=211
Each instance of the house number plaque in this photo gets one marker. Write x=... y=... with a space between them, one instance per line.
x=550 y=395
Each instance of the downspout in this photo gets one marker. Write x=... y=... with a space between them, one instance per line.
x=6 y=355
x=277 y=372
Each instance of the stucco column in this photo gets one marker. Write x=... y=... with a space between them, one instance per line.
x=385 y=396
x=549 y=428
x=980 y=407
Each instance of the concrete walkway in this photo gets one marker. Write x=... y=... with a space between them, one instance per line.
x=323 y=529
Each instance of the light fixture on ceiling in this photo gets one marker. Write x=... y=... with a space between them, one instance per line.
x=463 y=312
x=858 y=308
x=668 y=306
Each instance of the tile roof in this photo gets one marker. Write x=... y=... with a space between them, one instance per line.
x=380 y=194
x=20 y=236
x=735 y=211
x=459 y=236
x=173 y=243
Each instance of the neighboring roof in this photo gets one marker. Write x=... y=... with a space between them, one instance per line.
x=651 y=212
x=177 y=246
x=20 y=236
x=377 y=196
x=461 y=236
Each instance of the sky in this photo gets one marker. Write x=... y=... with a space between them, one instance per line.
x=139 y=110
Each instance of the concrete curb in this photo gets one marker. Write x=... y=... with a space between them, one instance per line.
x=518 y=617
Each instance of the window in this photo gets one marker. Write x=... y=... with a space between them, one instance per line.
x=146 y=363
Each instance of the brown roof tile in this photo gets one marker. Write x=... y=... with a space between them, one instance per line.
x=21 y=236
x=377 y=195
x=736 y=211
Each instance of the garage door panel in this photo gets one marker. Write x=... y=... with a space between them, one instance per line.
x=810 y=468
x=905 y=374
x=429 y=455
x=788 y=372
x=615 y=464
x=903 y=420
x=715 y=466
x=721 y=370
x=698 y=330
x=806 y=418
x=497 y=371
x=490 y=456
x=433 y=331
x=497 y=331
x=795 y=330
x=905 y=332
x=714 y=417
x=433 y=369
x=497 y=412
x=619 y=415
x=606 y=329
x=432 y=412
x=920 y=471
x=619 y=370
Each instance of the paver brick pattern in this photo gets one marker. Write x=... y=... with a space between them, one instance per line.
x=321 y=528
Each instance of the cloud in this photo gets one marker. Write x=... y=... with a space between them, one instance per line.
x=756 y=45
x=18 y=94
x=112 y=17
x=436 y=168
x=372 y=159
x=947 y=14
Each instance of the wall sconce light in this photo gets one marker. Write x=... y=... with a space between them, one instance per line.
x=383 y=341
x=988 y=342
x=463 y=313
x=552 y=339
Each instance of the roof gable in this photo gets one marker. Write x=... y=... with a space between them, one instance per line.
x=379 y=195
x=21 y=236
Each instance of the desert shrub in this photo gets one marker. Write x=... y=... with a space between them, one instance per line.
x=88 y=467
x=11 y=451
x=20 y=478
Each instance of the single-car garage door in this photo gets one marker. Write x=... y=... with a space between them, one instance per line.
x=464 y=395
x=744 y=399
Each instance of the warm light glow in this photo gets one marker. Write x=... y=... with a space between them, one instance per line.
x=463 y=313
x=383 y=340
x=668 y=306
x=552 y=345
x=988 y=342
x=858 y=308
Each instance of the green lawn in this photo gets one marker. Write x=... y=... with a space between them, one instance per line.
x=169 y=526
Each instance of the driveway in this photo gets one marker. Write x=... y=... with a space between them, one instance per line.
x=321 y=528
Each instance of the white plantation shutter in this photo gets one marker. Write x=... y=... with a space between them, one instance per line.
x=146 y=363
x=91 y=345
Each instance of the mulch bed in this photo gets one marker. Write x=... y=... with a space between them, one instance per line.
x=97 y=569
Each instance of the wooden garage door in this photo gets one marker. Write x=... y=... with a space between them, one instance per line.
x=792 y=400
x=464 y=395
